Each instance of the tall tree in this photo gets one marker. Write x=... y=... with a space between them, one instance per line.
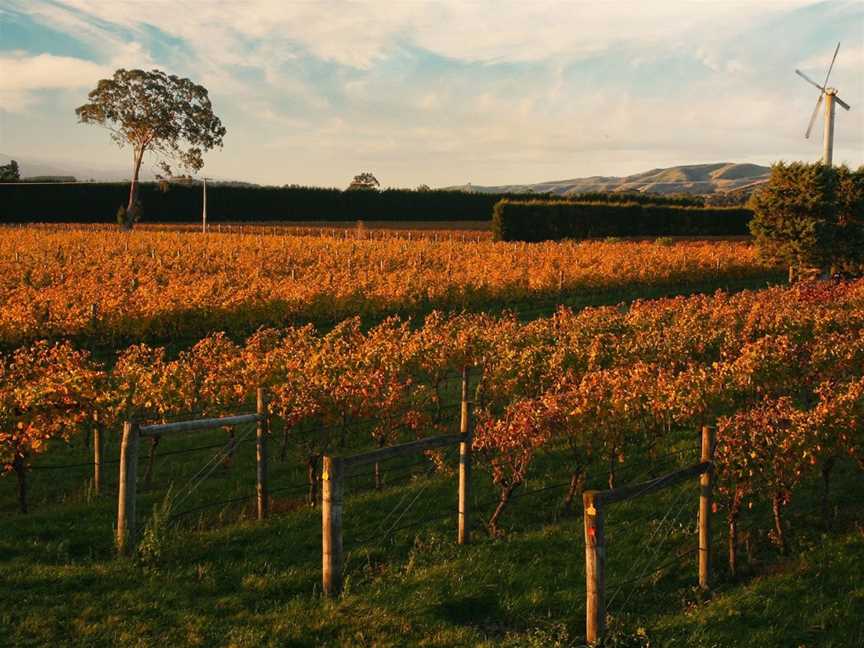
x=166 y=116
x=9 y=172
x=363 y=181
x=811 y=215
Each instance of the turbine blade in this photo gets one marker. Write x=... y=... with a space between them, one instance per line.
x=830 y=67
x=842 y=103
x=809 y=80
x=813 y=117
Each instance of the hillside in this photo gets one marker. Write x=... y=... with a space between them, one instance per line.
x=35 y=169
x=693 y=178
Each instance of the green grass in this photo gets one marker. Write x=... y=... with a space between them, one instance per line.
x=225 y=579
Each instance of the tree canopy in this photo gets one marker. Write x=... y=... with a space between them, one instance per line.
x=811 y=215
x=9 y=172
x=364 y=181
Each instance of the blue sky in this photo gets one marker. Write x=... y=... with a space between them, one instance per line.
x=446 y=92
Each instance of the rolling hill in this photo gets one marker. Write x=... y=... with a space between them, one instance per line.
x=720 y=177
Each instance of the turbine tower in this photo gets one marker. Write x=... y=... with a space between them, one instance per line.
x=830 y=96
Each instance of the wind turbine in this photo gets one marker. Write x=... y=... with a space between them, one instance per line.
x=830 y=96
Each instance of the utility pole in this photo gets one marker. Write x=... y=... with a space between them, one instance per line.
x=204 y=212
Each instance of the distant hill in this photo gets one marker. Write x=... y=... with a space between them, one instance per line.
x=693 y=179
x=32 y=168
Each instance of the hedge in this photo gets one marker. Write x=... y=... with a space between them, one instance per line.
x=543 y=220
x=98 y=203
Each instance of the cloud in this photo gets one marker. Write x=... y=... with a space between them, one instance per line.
x=23 y=74
x=498 y=92
x=358 y=34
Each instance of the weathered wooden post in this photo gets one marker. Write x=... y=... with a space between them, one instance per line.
x=261 y=455
x=331 y=525
x=706 y=486
x=464 y=533
x=97 y=454
x=128 y=487
x=595 y=567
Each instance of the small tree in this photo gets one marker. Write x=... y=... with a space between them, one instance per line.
x=364 y=181
x=153 y=112
x=46 y=393
x=811 y=215
x=9 y=172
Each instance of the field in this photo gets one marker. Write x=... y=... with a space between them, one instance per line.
x=172 y=286
x=589 y=396
x=232 y=581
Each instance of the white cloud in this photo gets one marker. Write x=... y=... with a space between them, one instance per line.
x=526 y=89
x=359 y=33
x=20 y=75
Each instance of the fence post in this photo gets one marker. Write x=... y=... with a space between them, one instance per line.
x=128 y=487
x=331 y=525
x=595 y=567
x=261 y=455
x=706 y=485
x=97 y=455
x=464 y=533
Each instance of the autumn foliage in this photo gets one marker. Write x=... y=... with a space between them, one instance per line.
x=157 y=287
x=779 y=371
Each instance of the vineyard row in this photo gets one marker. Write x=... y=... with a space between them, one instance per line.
x=778 y=371
x=160 y=286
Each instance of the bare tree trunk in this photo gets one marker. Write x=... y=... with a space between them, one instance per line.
x=612 y=458
x=827 y=467
x=506 y=492
x=230 y=449
x=312 y=476
x=577 y=485
x=283 y=451
x=151 y=461
x=750 y=547
x=343 y=434
x=733 y=542
x=138 y=157
x=777 y=508
x=20 y=469
x=379 y=483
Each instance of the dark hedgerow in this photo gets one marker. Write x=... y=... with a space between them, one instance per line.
x=97 y=203
x=545 y=220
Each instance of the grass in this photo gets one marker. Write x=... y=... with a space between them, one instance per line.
x=222 y=578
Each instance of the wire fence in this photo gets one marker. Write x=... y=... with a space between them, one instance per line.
x=411 y=510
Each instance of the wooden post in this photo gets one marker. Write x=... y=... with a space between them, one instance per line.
x=706 y=485
x=595 y=567
x=331 y=525
x=464 y=533
x=261 y=455
x=97 y=455
x=127 y=489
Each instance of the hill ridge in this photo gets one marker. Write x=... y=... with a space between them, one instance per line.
x=716 y=177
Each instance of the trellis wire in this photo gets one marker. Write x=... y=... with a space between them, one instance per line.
x=644 y=564
x=394 y=527
x=192 y=485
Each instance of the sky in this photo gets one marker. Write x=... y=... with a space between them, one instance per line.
x=445 y=93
